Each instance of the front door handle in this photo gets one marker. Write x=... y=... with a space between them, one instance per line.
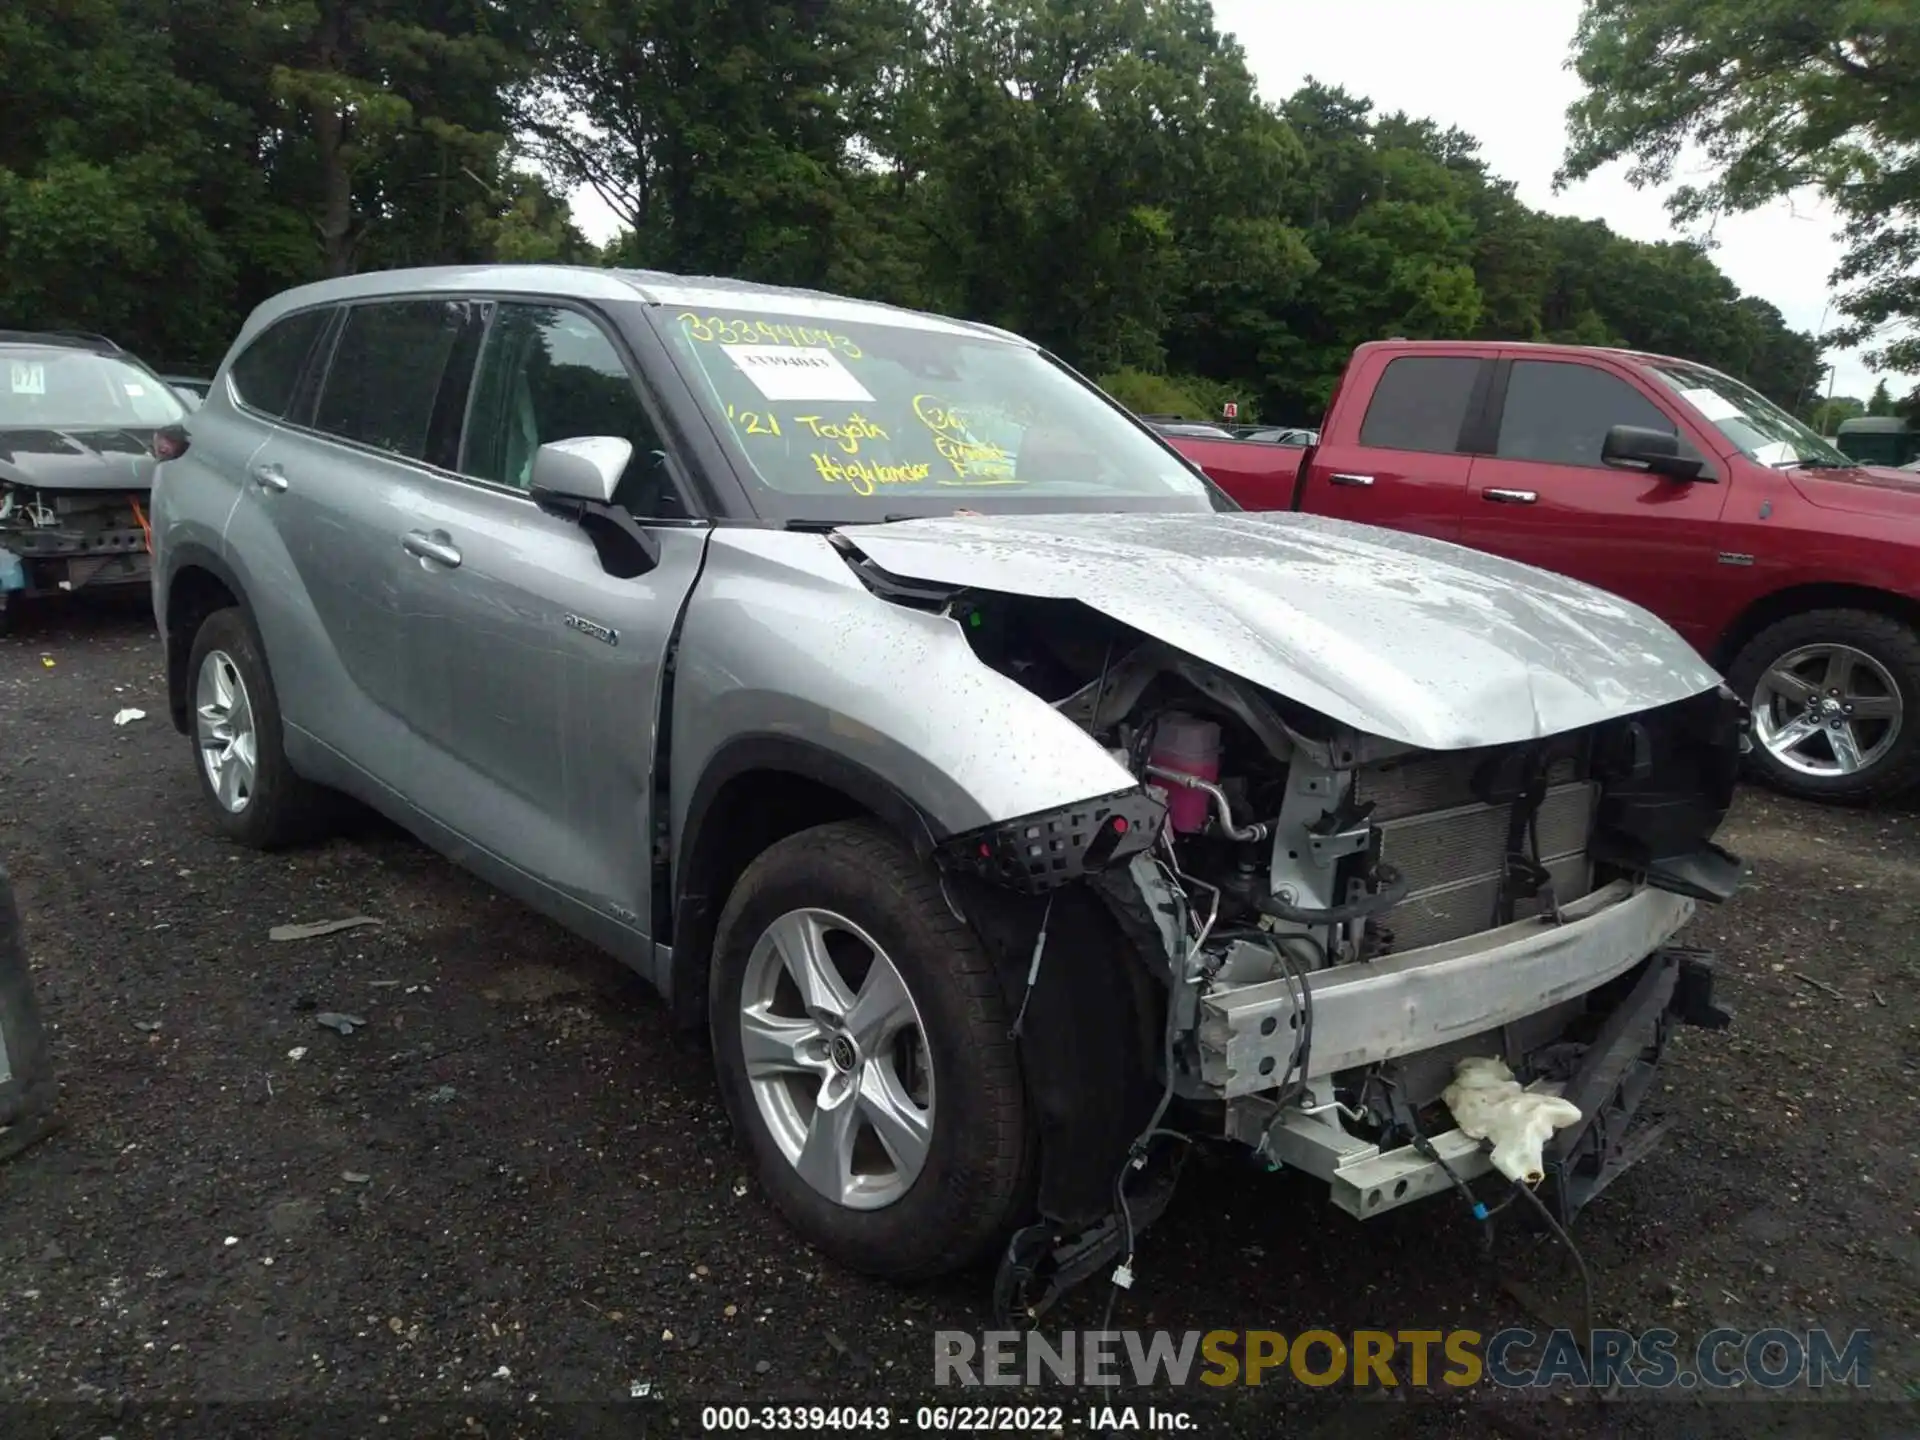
x=1510 y=497
x=1357 y=481
x=269 y=477
x=437 y=547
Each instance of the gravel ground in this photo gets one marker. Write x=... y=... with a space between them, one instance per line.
x=515 y=1182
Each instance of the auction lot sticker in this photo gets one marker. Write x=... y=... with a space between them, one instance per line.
x=785 y=372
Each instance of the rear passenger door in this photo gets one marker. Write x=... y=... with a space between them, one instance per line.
x=1400 y=463
x=1545 y=497
x=320 y=517
x=533 y=676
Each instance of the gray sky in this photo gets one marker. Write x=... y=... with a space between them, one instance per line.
x=1496 y=69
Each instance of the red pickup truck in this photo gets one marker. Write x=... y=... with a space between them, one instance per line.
x=1793 y=569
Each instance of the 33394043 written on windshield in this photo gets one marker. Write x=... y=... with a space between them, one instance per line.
x=817 y=410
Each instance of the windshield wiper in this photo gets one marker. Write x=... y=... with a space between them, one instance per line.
x=1813 y=464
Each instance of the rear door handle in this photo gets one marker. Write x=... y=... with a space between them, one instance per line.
x=1357 y=481
x=269 y=477
x=436 y=547
x=1510 y=497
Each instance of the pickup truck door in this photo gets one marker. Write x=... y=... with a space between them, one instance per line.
x=1392 y=452
x=1544 y=497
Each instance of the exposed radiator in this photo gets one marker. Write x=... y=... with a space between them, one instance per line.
x=1453 y=848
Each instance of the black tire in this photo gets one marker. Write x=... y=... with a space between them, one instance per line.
x=282 y=809
x=1894 y=647
x=976 y=1179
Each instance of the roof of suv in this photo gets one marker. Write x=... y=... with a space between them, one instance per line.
x=587 y=282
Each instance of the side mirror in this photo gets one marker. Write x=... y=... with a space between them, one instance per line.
x=585 y=469
x=577 y=479
x=1655 y=451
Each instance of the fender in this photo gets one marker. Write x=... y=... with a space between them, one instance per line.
x=704 y=866
x=181 y=555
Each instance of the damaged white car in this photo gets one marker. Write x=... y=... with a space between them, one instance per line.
x=1007 y=806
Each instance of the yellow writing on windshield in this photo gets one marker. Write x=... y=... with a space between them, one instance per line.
x=863 y=477
x=847 y=433
x=720 y=330
x=754 y=422
x=969 y=457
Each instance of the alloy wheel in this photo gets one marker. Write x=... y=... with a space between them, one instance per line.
x=223 y=730
x=837 y=1059
x=1827 y=710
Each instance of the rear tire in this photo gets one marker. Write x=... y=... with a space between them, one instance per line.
x=1836 y=705
x=937 y=1101
x=234 y=724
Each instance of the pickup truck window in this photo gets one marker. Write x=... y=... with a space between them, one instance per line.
x=1558 y=412
x=1762 y=430
x=854 y=421
x=1421 y=403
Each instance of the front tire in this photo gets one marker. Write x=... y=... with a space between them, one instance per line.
x=861 y=1039
x=1836 y=704
x=251 y=790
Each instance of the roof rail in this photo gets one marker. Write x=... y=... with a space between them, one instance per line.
x=80 y=339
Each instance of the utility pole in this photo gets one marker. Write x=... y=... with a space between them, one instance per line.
x=27 y=1089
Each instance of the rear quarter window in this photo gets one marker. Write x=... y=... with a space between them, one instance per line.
x=1420 y=403
x=267 y=372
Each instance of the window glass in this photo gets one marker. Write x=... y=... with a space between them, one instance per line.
x=1763 y=431
x=1559 y=413
x=549 y=373
x=56 y=388
x=862 y=418
x=1421 y=403
x=268 y=371
x=386 y=373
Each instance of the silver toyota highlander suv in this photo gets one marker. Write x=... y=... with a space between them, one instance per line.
x=1002 y=801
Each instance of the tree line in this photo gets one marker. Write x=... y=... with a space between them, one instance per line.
x=1100 y=175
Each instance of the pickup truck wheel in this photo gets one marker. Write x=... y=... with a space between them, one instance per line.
x=252 y=791
x=1836 y=704
x=861 y=1041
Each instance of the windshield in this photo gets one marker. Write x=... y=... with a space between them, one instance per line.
x=53 y=388
x=1760 y=428
x=841 y=421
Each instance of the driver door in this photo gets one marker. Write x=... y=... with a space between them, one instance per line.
x=535 y=675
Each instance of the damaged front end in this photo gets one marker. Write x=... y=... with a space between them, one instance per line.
x=64 y=540
x=1291 y=933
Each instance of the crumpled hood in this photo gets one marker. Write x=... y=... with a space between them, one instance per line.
x=1863 y=490
x=1399 y=636
x=78 y=459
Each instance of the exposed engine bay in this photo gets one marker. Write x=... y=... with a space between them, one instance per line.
x=1331 y=923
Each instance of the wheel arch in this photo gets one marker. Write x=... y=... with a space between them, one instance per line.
x=757 y=790
x=1798 y=600
x=198 y=582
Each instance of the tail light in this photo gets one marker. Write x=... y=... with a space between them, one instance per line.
x=170 y=443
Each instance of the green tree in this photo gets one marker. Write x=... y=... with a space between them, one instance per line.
x=1826 y=415
x=1781 y=96
x=1880 y=402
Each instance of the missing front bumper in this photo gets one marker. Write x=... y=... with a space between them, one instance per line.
x=1613 y=1078
x=1426 y=998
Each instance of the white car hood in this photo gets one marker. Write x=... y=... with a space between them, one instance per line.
x=1410 y=639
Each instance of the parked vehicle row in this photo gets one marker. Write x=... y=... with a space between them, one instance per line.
x=998 y=797
x=1789 y=566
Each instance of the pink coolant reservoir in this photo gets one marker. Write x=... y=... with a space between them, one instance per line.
x=1191 y=747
